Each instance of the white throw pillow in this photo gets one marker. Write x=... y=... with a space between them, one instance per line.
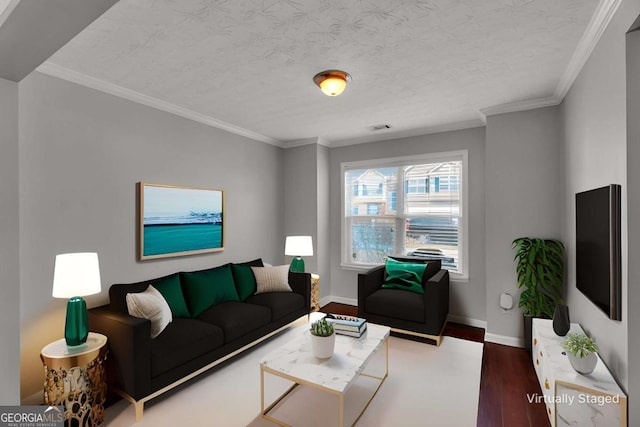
x=150 y=305
x=272 y=279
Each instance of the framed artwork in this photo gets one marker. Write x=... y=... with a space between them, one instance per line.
x=176 y=221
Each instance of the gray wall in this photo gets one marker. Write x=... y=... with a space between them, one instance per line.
x=81 y=154
x=595 y=145
x=36 y=29
x=523 y=190
x=307 y=205
x=324 y=225
x=300 y=188
x=9 y=245
x=468 y=299
x=633 y=203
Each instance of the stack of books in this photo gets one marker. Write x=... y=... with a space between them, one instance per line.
x=347 y=325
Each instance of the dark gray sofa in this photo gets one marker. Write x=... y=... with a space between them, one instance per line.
x=141 y=368
x=423 y=315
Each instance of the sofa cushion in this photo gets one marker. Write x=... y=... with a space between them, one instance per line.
x=272 y=279
x=244 y=279
x=433 y=265
x=205 y=288
x=118 y=292
x=253 y=263
x=169 y=287
x=396 y=303
x=236 y=318
x=404 y=275
x=181 y=341
x=280 y=303
x=152 y=306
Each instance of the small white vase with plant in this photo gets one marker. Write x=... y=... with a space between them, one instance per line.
x=581 y=351
x=323 y=339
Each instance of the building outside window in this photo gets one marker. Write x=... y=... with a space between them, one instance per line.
x=373 y=209
x=406 y=206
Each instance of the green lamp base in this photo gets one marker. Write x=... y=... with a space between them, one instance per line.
x=76 y=326
x=297 y=265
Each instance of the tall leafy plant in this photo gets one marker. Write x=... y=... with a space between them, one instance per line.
x=540 y=270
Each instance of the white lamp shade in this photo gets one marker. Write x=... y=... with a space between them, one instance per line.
x=298 y=246
x=76 y=275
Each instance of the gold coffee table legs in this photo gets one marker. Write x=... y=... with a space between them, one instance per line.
x=297 y=382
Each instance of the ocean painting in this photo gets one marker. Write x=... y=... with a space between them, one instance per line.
x=179 y=221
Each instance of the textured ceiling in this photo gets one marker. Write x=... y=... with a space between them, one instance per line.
x=415 y=65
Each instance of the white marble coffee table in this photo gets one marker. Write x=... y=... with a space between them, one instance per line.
x=295 y=362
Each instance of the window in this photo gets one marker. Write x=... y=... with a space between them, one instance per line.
x=413 y=206
x=373 y=209
x=417 y=185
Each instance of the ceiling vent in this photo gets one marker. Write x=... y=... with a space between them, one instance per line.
x=375 y=128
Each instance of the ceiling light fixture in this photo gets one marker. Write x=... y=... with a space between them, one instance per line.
x=332 y=82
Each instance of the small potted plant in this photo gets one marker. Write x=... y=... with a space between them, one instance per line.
x=323 y=339
x=581 y=352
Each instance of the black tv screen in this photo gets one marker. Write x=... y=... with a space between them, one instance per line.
x=598 y=264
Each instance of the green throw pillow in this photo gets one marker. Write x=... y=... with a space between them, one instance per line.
x=206 y=288
x=170 y=289
x=404 y=275
x=244 y=279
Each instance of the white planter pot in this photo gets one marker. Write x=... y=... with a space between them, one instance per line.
x=584 y=365
x=322 y=347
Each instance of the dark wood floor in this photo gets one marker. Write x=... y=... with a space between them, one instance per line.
x=507 y=379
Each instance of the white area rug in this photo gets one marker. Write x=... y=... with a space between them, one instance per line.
x=426 y=386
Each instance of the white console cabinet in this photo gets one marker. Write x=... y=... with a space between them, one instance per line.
x=573 y=399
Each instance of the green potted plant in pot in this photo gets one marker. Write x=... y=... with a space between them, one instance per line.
x=581 y=352
x=323 y=338
x=540 y=271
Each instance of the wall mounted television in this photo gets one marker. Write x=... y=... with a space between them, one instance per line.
x=598 y=263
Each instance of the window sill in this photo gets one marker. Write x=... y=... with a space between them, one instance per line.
x=354 y=267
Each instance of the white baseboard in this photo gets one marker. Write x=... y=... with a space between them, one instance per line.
x=467 y=321
x=341 y=300
x=504 y=340
x=324 y=301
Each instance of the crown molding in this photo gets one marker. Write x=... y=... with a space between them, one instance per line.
x=599 y=22
x=64 y=73
x=521 y=106
x=307 y=141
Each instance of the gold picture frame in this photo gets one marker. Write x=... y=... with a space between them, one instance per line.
x=177 y=221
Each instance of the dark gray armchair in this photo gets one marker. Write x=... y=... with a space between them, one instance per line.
x=423 y=315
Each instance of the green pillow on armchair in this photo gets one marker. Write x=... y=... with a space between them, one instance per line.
x=404 y=275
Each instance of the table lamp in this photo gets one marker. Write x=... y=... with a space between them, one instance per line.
x=76 y=275
x=298 y=246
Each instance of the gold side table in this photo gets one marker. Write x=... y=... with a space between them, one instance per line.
x=76 y=378
x=315 y=292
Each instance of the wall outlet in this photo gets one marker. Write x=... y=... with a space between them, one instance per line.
x=506 y=301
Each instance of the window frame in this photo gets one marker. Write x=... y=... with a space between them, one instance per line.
x=345 y=236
